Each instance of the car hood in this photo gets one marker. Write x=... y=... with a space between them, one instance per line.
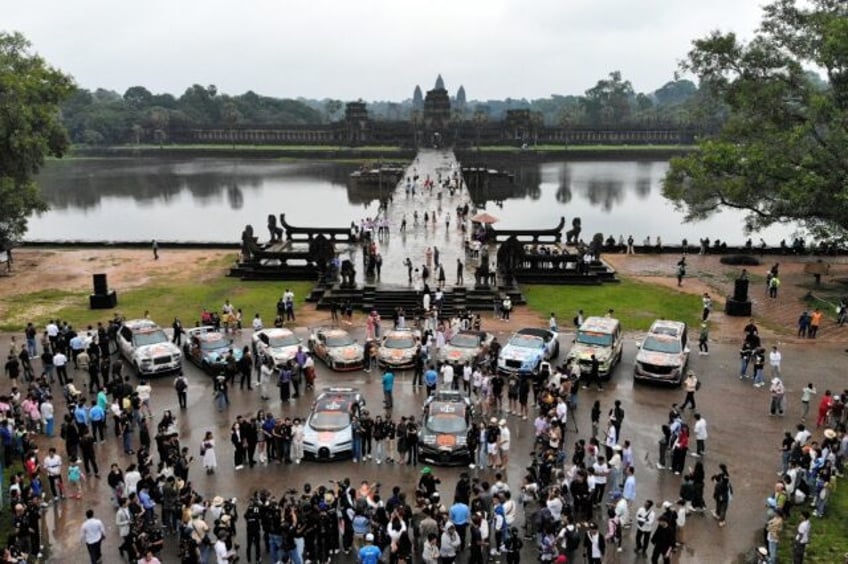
x=456 y=354
x=283 y=353
x=326 y=438
x=520 y=353
x=159 y=349
x=658 y=358
x=216 y=357
x=395 y=354
x=349 y=352
x=585 y=352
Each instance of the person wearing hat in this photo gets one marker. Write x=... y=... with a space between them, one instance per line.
x=369 y=554
x=427 y=482
x=504 y=443
x=595 y=544
x=692 y=385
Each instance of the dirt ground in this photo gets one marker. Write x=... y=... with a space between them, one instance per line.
x=71 y=269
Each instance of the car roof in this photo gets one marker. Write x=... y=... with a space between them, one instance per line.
x=401 y=333
x=600 y=324
x=535 y=331
x=666 y=328
x=210 y=336
x=138 y=324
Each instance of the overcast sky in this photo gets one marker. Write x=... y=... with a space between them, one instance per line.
x=371 y=49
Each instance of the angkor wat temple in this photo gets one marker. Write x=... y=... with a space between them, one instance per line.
x=434 y=123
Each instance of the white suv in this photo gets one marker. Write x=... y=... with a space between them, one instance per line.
x=146 y=346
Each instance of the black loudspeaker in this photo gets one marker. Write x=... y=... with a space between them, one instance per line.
x=103 y=301
x=740 y=290
x=101 y=285
x=737 y=308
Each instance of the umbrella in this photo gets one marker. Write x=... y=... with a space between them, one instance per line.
x=484 y=218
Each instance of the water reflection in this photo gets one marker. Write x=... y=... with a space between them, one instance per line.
x=141 y=199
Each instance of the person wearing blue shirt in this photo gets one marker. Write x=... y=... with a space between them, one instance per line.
x=81 y=414
x=369 y=554
x=147 y=503
x=97 y=416
x=459 y=515
x=431 y=377
x=388 y=385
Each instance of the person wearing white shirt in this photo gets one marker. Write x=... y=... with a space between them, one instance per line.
x=92 y=533
x=60 y=362
x=774 y=361
x=467 y=371
x=53 y=466
x=47 y=415
x=447 y=375
x=803 y=435
x=131 y=479
x=144 y=390
x=257 y=323
x=802 y=537
x=504 y=443
x=645 y=518
x=222 y=555
x=700 y=430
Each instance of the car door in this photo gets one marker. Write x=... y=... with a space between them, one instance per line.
x=321 y=347
x=125 y=342
x=195 y=351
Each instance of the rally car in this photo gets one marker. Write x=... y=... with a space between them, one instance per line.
x=397 y=350
x=147 y=348
x=209 y=349
x=663 y=354
x=280 y=344
x=527 y=349
x=602 y=337
x=336 y=348
x=327 y=434
x=444 y=433
x=466 y=346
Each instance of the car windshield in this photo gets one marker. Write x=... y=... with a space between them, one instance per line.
x=594 y=338
x=149 y=338
x=214 y=345
x=653 y=344
x=446 y=417
x=329 y=420
x=339 y=341
x=399 y=342
x=280 y=341
x=526 y=341
x=465 y=341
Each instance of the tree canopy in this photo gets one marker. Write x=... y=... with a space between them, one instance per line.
x=30 y=130
x=782 y=153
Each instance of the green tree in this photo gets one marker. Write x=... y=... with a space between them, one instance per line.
x=160 y=118
x=232 y=116
x=608 y=102
x=30 y=130
x=783 y=152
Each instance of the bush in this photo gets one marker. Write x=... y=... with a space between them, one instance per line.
x=740 y=260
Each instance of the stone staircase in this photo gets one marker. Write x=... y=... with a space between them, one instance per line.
x=386 y=299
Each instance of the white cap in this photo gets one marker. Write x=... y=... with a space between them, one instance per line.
x=369 y=537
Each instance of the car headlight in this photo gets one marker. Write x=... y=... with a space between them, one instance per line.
x=461 y=440
x=429 y=439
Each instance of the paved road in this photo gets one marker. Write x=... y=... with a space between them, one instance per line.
x=741 y=435
x=415 y=240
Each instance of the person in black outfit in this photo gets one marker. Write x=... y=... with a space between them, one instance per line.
x=253 y=519
x=418 y=372
x=89 y=457
x=412 y=442
x=178 y=331
x=663 y=541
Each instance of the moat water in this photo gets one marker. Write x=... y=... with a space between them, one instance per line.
x=212 y=200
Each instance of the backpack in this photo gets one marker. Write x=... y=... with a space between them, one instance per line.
x=180 y=384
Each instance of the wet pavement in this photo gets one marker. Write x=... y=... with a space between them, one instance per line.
x=414 y=241
x=740 y=434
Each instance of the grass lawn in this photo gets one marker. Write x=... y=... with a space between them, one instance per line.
x=163 y=301
x=636 y=304
x=828 y=542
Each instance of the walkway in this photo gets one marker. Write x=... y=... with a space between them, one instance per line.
x=413 y=243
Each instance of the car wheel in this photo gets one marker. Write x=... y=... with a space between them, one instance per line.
x=556 y=350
